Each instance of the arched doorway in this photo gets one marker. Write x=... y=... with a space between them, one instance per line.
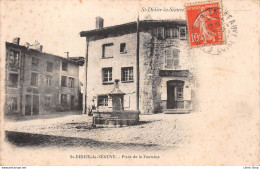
x=175 y=94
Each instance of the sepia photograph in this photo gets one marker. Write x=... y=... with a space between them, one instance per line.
x=130 y=83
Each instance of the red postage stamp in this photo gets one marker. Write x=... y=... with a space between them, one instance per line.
x=204 y=23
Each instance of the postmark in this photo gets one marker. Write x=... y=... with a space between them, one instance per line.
x=205 y=23
x=230 y=28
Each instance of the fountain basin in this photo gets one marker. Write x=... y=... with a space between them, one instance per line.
x=115 y=118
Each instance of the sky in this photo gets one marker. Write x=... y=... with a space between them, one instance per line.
x=56 y=23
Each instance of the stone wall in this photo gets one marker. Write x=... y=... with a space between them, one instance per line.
x=153 y=90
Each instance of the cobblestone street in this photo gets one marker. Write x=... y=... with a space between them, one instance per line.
x=154 y=132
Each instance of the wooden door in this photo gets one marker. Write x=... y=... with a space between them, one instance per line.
x=170 y=97
x=35 y=104
x=28 y=104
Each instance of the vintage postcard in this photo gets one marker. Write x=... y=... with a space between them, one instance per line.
x=147 y=83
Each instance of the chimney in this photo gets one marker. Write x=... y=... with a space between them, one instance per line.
x=16 y=40
x=67 y=54
x=40 y=48
x=27 y=45
x=148 y=17
x=99 y=22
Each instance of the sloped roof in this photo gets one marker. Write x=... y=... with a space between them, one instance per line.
x=29 y=50
x=129 y=25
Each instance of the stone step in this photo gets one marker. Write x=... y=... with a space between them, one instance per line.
x=175 y=111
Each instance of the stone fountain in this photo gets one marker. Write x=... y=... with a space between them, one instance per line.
x=115 y=116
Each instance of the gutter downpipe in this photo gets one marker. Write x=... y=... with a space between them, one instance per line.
x=137 y=64
x=86 y=79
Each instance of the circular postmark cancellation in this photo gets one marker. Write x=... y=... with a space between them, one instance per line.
x=210 y=31
x=229 y=32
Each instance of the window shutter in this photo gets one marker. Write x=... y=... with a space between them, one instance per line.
x=176 y=58
x=187 y=93
x=110 y=104
x=162 y=60
x=127 y=101
x=169 y=59
x=96 y=102
x=182 y=33
x=163 y=91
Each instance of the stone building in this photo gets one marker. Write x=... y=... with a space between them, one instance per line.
x=38 y=82
x=151 y=58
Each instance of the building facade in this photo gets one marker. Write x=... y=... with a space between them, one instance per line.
x=151 y=59
x=38 y=82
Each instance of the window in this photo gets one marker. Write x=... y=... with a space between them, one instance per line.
x=123 y=48
x=160 y=33
x=14 y=58
x=34 y=79
x=175 y=33
x=35 y=62
x=13 y=80
x=107 y=74
x=12 y=103
x=168 y=33
x=172 y=58
x=49 y=67
x=182 y=32
x=103 y=100
x=172 y=33
x=48 y=80
x=127 y=74
x=63 y=99
x=63 y=81
x=107 y=50
x=47 y=102
x=179 y=92
x=71 y=82
x=64 y=66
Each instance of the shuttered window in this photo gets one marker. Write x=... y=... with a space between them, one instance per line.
x=172 y=33
x=171 y=58
x=107 y=50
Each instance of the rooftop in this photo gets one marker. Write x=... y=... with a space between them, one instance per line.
x=74 y=60
x=132 y=25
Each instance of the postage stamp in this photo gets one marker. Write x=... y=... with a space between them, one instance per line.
x=204 y=23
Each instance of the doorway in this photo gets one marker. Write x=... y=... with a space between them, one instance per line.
x=32 y=104
x=71 y=102
x=28 y=105
x=175 y=94
x=35 y=104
